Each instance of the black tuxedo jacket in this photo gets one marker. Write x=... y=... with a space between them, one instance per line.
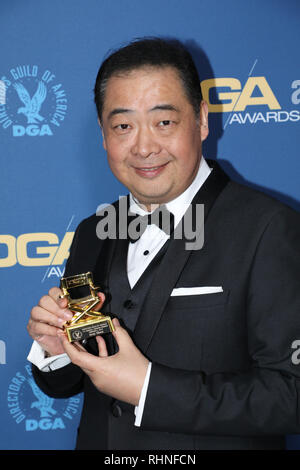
x=223 y=374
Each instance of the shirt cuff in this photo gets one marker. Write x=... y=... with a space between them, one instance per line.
x=138 y=411
x=37 y=357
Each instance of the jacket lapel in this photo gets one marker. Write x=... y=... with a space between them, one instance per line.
x=110 y=248
x=173 y=263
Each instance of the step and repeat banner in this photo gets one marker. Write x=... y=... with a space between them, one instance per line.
x=53 y=166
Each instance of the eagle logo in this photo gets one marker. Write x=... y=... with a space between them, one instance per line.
x=44 y=403
x=32 y=105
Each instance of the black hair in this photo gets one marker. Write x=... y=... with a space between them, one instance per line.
x=150 y=52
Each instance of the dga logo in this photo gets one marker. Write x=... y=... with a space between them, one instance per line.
x=32 y=102
x=28 y=405
x=229 y=95
x=77 y=335
x=36 y=249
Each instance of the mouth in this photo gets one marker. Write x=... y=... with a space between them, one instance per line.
x=150 y=172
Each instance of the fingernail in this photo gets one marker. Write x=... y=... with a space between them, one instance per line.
x=68 y=315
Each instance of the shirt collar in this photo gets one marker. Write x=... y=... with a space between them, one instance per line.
x=179 y=205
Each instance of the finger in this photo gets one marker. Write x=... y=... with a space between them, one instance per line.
x=80 y=358
x=39 y=314
x=101 y=301
x=55 y=293
x=79 y=346
x=48 y=303
x=120 y=334
x=116 y=322
x=38 y=329
x=101 y=346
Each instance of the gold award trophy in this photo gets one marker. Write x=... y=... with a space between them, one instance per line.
x=86 y=322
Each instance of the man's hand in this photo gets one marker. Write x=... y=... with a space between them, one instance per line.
x=121 y=375
x=47 y=319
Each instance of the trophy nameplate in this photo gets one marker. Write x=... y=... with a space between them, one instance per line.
x=86 y=322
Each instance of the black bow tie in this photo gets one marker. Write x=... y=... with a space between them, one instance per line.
x=161 y=217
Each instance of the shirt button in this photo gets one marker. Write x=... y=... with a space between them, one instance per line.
x=146 y=252
x=128 y=304
x=116 y=411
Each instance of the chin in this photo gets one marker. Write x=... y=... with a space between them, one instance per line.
x=152 y=199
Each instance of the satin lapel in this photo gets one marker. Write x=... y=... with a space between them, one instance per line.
x=109 y=250
x=173 y=263
x=103 y=264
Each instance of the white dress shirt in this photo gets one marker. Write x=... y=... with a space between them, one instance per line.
x=139 y=256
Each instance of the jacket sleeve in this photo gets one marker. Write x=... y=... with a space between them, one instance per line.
x=264 y=399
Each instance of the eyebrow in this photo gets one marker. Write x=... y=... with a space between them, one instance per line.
x=119 y=111
x=165 y=107
x=159 y=107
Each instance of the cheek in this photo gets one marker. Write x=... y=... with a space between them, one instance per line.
x=116 y=153
x=183 y=142
x=118 y=147
x=188 y=148
x=182 y=153
x=117 y=161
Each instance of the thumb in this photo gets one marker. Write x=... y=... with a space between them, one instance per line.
x=101 y=346
x=116 y=322
x=120 y=334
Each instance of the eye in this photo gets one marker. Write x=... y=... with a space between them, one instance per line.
x=164 y=123
x=123 y=127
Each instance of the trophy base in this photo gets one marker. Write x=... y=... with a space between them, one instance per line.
x=86 y=329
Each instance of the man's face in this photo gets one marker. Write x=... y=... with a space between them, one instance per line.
x=151 y=134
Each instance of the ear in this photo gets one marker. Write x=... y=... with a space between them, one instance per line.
x=204 y=130
x=103 y=137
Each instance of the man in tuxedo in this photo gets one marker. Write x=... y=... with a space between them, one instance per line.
x=202 y=352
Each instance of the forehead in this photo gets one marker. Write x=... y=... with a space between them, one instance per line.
x=144 y=86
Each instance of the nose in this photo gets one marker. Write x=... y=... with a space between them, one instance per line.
x=145 y=143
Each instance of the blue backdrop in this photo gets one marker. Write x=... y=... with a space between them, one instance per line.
x=54 y=170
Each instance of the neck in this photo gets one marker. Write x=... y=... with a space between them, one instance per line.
x=148 y=207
